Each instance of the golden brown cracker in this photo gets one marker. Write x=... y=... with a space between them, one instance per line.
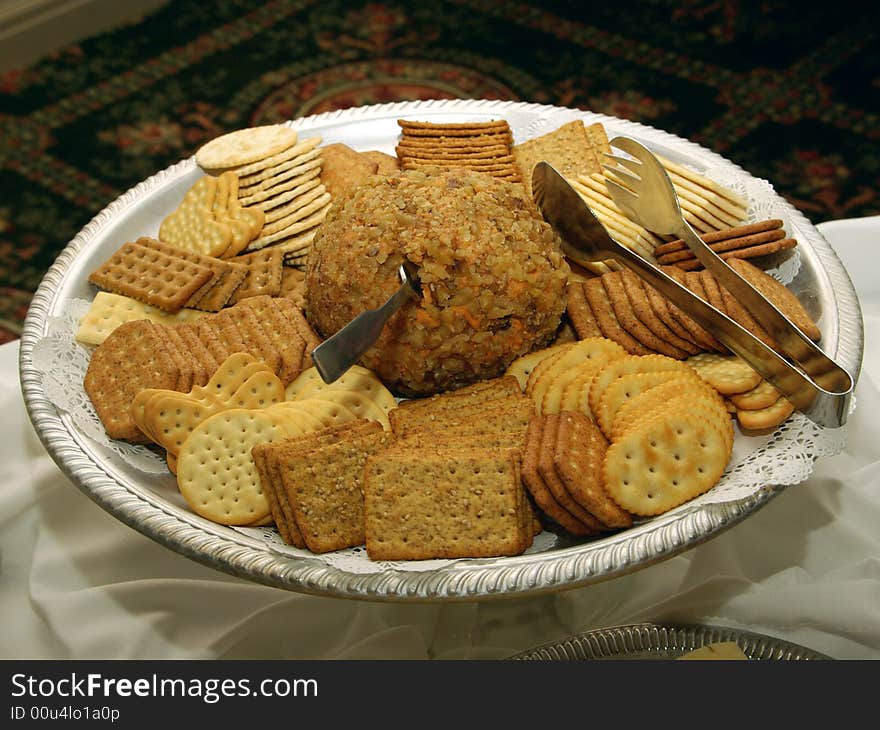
x=325 y=489
x=601 y=307
x=264 y=272
x=664 y=462
x=578 y=458
x=151 y=276
x=132 y=358
x=551 y=478
x=218 y=296
x=626 y=317
x=780 y=295
x=567 y=148
x=534 y=482
x=443 y=504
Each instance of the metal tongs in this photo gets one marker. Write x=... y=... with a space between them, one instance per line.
x=339 y=352
x=813 y=382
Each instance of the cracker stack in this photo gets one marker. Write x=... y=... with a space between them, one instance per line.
x=279 y=175
x=314 y=484
x=167 y=417
x=143 y=354
x=622 y=307
x=210 y=220
x=445 y=502
x=450 y=485
x=572 y=466
x=478 y=146
x=749 y=241
x=169 y=278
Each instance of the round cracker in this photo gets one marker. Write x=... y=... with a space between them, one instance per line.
x=301 y=381
x=622 y=389
x=244 y=146
x=522 y=367
x=679 y=386
x=293 y=419
x=728 y=374
x=329 y=412
x=216 y=473
x=630 y=364
x=664 y=462
x=765 y=418
x=591 y=349
x=763 y=395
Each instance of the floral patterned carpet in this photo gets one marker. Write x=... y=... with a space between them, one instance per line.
x=788 y=91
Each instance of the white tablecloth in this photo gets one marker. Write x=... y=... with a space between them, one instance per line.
x=75 y=583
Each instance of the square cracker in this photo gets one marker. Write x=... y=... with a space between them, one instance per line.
x=325 y=489
x=568 y=149
x=443 y=503
x=507 y=415
x=133 y=357
x=218 y=296
x=267 y=463
x=217 y=266
x=285 y=331
x=151 y=276
x=264 y=269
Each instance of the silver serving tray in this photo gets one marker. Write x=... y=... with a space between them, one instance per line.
x=652 y=641
x=135 y=499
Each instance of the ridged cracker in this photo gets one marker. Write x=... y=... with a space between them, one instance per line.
x=132 y=358
x=578 y=459
x=244 y=146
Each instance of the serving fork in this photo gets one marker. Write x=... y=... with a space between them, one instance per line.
x=815 y=384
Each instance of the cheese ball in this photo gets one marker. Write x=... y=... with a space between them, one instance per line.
x=492 y=273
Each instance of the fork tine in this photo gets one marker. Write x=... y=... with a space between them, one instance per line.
x=623 y=177
x=650 y=164
x=623 y=197
x=628 y=163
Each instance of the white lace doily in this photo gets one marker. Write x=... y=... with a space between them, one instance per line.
x=783 y=458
